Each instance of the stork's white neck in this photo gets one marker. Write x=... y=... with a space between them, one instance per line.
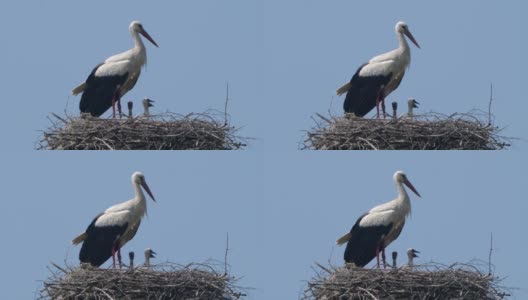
x=137 y=40
x=146 y=109
x=139 y=51
x=139 y=198
x=411 y=108
x=147 y=259
x=411 y=259
x=404 y=46
x=403 y=198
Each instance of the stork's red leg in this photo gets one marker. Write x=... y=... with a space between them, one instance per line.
x=383 y=257
x=383 y=107
x=113 y=107
x=119 y=107
x=377 y=256
x=113 y=256
x=116 y=98
x=119 y=257
x=377 y=105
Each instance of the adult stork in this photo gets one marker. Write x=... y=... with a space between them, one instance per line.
x=376 y=79
x=376 y=229
x=112 y=229
x=111 y=80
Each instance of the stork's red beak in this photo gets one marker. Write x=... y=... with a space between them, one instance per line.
x=147 y=189
x=411 y=37
x=411 y=187
x=147 y=36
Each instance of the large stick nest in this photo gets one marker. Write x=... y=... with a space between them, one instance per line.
x=432 y=281
x=431 y=131
x=167 y=131
x=166 y=281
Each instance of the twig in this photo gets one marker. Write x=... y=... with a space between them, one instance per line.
x=225 y=255
x=490 y=252
x=225 y=106
x=489 y=106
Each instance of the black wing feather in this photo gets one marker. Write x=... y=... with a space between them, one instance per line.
x=97 y=248
x=97 y=96
x=361 y=98
x=361 y=248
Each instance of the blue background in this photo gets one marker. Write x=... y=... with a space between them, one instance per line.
x=283 y=208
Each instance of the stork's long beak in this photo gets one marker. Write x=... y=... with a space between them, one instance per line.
x=149 y=103
x=415 y=104
x=410 y=186
x=152 y=254
x=411 y=37
x=414 y=253
x=147 y=189
x=147 y=36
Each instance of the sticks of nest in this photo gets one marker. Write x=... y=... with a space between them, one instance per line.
x=167 y=281
x=433 y=281
x=432 y=131
x=168 y=131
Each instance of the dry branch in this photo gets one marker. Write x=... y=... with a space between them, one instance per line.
x=167 y=131
x=431 y=131
x=432 y=281
x=165 y=281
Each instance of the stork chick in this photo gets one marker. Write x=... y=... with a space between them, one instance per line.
x=130 y=105
x=412 y=104
x=146 y=104
x=131 y=257
x=411 y=254
x=149 y=253
x=394 y=257
x=394 y=110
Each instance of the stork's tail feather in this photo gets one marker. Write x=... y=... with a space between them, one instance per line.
x=345 y=238
x=79 y=89
x=345 y=88
x=79 y=239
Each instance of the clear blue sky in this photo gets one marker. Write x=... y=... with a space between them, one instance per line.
x=282 y=208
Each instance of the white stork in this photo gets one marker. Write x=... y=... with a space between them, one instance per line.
x=376 y=79
x=411 y=105
x=112 y=229
x=411 y=254
x=394 y=257
x=111 y=80
x=131 y=258
x=395 y=110
x=130 y=106
x=147 y=103
x=375 y=230
x=149 y=253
